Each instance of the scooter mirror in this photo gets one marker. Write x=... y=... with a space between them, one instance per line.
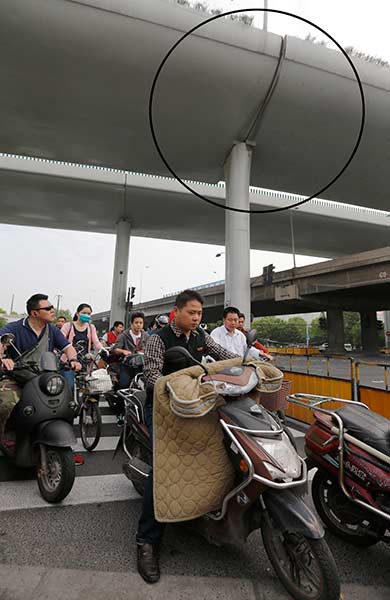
x=251 y=337
x=180 y=356
x=171 y=353
x=7 y=338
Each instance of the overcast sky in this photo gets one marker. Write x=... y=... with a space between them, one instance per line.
x=79 y=265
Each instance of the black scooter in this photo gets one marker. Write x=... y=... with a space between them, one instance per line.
x=41 y=424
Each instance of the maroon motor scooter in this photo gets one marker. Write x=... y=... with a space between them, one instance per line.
x=269 y=487
x=350 y=447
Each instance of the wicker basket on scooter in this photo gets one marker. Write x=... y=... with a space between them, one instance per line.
x=276 y=400
x=99 y=382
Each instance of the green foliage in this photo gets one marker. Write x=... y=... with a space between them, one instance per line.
x=203 y=7
x=292 y=331
x=3 y=321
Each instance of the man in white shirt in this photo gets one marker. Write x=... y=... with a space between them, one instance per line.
x=228 y=336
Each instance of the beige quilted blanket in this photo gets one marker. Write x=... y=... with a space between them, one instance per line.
x=192 y=472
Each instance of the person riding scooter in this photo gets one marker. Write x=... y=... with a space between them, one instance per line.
x=183 y=331
x=130 y=343
x=34 y=335
x=159 y=322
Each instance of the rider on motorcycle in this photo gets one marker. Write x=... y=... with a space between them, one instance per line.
x=34 y=335
x=130 y=343
x=159 y=322
x=183 y=331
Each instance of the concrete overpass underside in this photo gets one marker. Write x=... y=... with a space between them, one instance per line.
x=47 y=200
x=76 y=76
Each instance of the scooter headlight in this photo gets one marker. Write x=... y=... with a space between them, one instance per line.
x=52 y=384
x=284 y=455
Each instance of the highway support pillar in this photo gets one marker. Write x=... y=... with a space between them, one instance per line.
x=370 y=341
x=121 y=265
x=335 y=330
x=237 y=229
x=386 y=315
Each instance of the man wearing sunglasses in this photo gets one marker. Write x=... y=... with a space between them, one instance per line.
x=33 y=332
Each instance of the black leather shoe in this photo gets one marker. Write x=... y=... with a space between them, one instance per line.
x=147 y=562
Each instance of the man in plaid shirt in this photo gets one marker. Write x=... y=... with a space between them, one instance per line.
x=183 y=331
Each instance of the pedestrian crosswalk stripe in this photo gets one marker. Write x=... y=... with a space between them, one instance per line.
x=107 y=419
x=22 y=495
x=105 y=443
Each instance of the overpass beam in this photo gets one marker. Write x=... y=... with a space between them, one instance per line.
x=335 y=330
x=370 y=341
x=121 y=265
x=237 y=231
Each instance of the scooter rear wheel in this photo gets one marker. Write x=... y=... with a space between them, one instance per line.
x=55 y=484
x=341 y=516
x=305 y=566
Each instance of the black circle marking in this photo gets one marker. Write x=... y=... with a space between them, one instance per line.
x=268 y=210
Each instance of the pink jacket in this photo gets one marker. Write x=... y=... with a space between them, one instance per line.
x=93 y=340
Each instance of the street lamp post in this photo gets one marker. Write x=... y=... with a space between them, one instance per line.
x=141 y=282
x=292 y=238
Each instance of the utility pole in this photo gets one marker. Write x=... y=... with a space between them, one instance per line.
x=292 y=238
x=58 y=296
x=12 y=304
x=265 y=16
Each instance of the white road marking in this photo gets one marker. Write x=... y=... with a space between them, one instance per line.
x=22 y=495
x=108 y=419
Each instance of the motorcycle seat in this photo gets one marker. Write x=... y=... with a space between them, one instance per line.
x=240 y=413
x=367 y=426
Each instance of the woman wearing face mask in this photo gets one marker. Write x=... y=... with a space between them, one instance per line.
x=81 y=329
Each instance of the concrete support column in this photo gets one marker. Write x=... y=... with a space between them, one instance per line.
x=386 y=315
x=121 y=265
x=237 y=231
x=370 y=341
x=335 y=323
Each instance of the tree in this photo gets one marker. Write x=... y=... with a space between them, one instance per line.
x=3 y=321
x=275 y=329
x=317 y=332
x=352 y=328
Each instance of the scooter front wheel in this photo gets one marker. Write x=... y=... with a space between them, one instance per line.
x=56 y=481
x=90 y=425
x=341 y=516
x=305 y=566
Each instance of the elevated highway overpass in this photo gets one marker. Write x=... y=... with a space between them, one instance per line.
x=359 y=283
x=234 y=103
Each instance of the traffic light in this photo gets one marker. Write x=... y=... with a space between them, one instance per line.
x=132 y=292
x=322 y=322
x=268 y=274
x=379 y=325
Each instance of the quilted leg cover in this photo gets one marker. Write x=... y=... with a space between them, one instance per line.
x=192 y=472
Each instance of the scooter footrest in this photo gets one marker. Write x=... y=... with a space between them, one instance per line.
x=136 y=468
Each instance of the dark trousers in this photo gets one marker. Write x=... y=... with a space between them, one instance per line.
x=149 y=529
x=126 y=374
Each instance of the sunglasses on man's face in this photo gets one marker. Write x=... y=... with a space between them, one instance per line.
x=46 y=308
